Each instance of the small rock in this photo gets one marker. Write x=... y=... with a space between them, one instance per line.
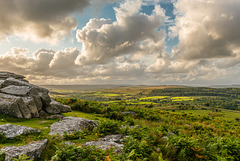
x=11 y=131
x=170 y=133
x=71 y=124
x=109 y=141
x=32 y=150
x=68 y=143
x=104 y=145
x=113 y=138
x=130 y=127
x=165 y=138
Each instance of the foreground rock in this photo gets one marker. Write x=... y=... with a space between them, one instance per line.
x=33 y=150
x=57 y=108
x=110 y=141
x=19 y=98
x=11 y=131
x=71 y=124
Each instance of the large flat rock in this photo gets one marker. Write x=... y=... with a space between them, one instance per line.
x=71 y=124
x=11 y=131
x=109 y=141
x=33 y=150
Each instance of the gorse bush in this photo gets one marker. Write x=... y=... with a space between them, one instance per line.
x=108 y=127
x=137 y=149
x=83 y=153
x=76 y=153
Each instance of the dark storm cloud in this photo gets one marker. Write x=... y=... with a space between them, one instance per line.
x=39 y=20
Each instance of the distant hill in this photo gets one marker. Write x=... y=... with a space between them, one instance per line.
x=226 y=86
x=81 y=87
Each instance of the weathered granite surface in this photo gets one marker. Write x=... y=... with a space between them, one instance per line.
x=117 y=138
x=71 y=124
x=57 y=108
x=109 y=141
x=11 y=131
x=19 y=98
x=32 y=150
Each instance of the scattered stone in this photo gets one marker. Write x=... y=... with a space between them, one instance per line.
x=130 y=127
x=32 y=150
x=170 y=133
x=165 y=138
x=104 y=145
x=56 y=108
x=68 y=143
x=11 y=131
x=71 y=124
x=113 y=138
x=109 y=141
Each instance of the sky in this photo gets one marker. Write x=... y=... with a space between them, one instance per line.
x=142 y=42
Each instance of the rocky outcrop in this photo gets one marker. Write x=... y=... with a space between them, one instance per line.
x=32 y=150
x=110 y=141
x=21 y=99
x=11 y=131
x=71 y=124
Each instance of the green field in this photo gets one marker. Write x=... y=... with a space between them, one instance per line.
x=224 y=114
x=153 y=98
x=179 y=99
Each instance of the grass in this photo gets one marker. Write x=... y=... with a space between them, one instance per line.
x=226 y=114
x=89 y=116
x=42 y=124
x=34 y=122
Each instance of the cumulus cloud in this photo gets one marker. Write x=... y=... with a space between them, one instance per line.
x=131 y=49
x=48 y=66
x=40 y=20
x=132 y=33
x=207 y=29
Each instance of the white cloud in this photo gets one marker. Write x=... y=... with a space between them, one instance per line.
x=207 y=29
x=132 y=33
